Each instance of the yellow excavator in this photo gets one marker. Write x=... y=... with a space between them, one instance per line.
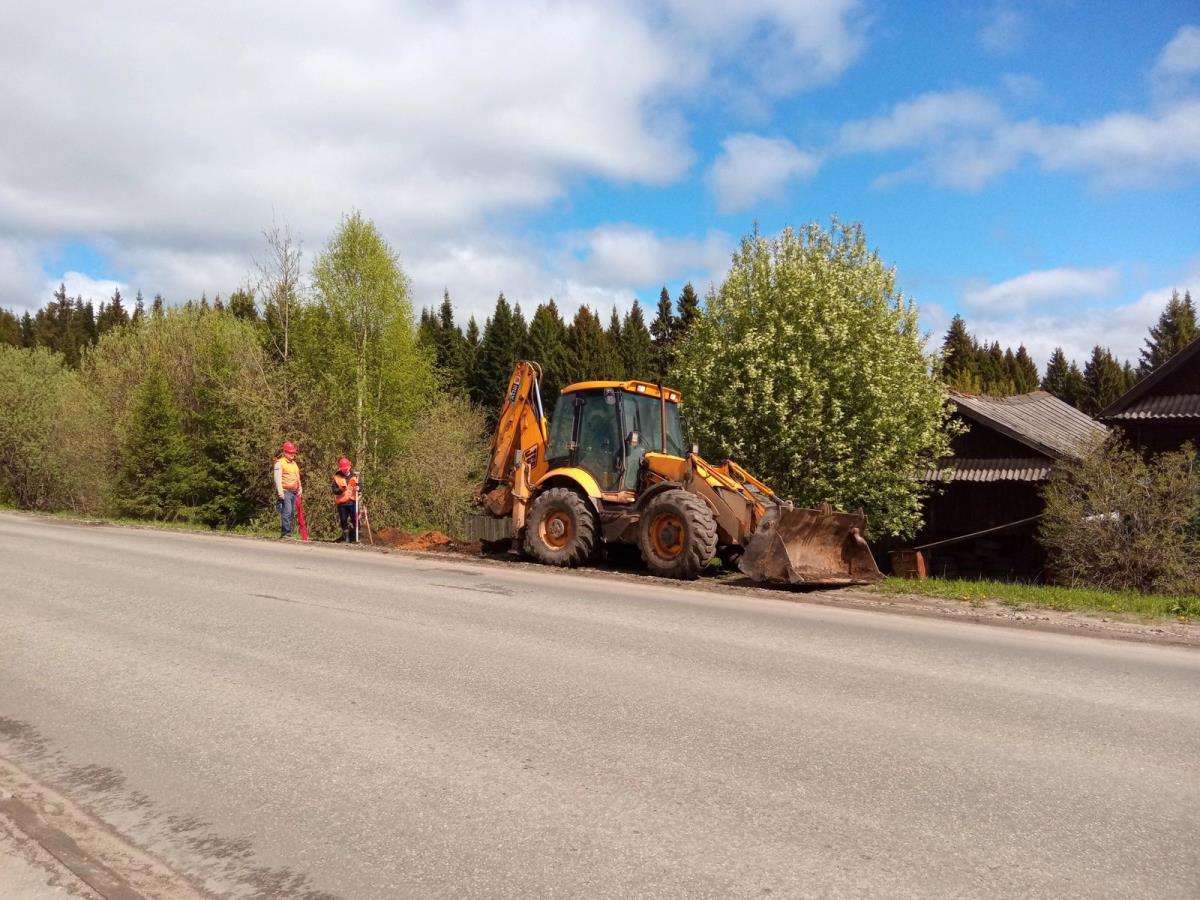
x=612 y=466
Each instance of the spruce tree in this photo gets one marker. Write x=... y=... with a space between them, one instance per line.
x=614 y=362
x=499 y=350
x=960 y=358
x=216 y=489
x=995 y=372
x=427 y=330
x=1055 y=380
x=28 y=333
x=471 y=356
x=1075 y=387
x=156 y=307
x=139 y=308
x=450 y=349
x=637 y=348
x=590 y=357
x=155 y=475
x=1175 y=329
x=77 y=333
x=1104 y=381
x=241 y=305
x=1025 y=372
x=10 y=329
x=520 y=333
x=663 y=330
x=113 y=315
x=547 y=346
x=688 y=305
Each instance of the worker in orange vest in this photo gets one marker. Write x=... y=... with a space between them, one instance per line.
x=287 y=487
x=345 y=497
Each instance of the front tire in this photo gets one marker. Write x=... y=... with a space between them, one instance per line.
x=677 y=535
x=560 y=529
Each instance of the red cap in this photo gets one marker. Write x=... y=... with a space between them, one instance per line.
x=343 y=465
x=289 y=447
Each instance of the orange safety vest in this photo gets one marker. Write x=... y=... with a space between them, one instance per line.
x=289 y=473
x=344 y=489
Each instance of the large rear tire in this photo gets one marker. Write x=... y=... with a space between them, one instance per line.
x=560 y=529
x=677 y=535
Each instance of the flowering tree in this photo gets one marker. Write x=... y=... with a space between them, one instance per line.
x=807 y=367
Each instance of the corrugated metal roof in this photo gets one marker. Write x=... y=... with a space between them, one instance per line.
x=1039 y=420
x=1164 y=406
x=1006 y=469
x=1181 y=362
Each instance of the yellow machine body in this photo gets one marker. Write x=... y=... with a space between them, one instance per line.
x=612 y=468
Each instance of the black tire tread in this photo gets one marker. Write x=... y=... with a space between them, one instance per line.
x=702 y=530
x=580 y=550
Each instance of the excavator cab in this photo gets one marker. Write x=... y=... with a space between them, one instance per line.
x=607 y=430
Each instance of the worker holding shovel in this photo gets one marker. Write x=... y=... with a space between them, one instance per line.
x=345 y=497
x=287 y=488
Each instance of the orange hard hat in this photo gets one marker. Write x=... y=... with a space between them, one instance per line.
x=343 y=465
x=289 y=447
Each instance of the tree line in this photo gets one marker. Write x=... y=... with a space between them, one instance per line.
x=976 y=367
x=826 y=389
x=476 y=362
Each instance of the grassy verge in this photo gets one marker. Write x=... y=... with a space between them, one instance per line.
x=1154 y=606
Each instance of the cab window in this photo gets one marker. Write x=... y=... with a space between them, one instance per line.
x=601 y=451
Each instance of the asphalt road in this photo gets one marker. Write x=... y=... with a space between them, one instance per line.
x=299 y=720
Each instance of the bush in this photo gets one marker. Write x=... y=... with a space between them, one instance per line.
x=1117 y=520
x=227 y=395
x=49 y=433
x=441 y=462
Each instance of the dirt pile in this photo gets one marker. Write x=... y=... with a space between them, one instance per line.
x=427 y=540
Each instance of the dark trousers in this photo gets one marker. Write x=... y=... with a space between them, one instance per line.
x=346 y=520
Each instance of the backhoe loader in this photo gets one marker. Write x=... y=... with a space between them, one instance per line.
x=612 y=467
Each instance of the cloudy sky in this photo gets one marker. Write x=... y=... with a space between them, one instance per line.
x=1032 y=165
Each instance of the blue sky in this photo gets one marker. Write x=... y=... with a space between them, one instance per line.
x=1034 y=166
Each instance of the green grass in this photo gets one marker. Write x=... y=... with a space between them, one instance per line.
x=1151 y=606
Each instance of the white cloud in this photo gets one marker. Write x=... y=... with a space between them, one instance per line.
x=1178 y=61
x=1042 y=288
x=780 y=46
x=175 y=132
x=1005 y=31
x=1022 y=87
x=1125 y=149
x=928 y=118
x=623 y=254
x=751 y=168
x=963 y=140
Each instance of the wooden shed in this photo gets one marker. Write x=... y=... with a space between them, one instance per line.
x=1162 y=411
x=993 y=483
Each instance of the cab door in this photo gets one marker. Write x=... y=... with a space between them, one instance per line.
x=600 y=448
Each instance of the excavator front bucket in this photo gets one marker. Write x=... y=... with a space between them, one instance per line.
x=810 y=547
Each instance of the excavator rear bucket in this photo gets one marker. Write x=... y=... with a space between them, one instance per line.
x=810 y=547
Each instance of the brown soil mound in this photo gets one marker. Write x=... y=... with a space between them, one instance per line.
x=429 y=540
